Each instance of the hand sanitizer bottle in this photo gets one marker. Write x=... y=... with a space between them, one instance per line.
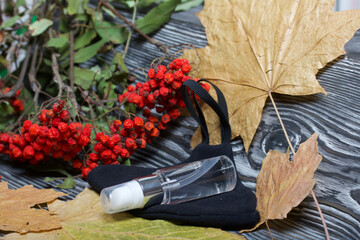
x=173 y=185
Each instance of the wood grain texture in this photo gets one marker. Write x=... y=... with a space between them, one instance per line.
x=335 y=118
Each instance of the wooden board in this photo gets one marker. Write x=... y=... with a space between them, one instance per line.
x=336 y=119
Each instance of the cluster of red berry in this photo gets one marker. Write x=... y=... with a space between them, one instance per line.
x=58 y=137
x=17 y=104
x=54 y=136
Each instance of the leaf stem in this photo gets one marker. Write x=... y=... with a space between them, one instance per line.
x=267 y=225
x=293 y=151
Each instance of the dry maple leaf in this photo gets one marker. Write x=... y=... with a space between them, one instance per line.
x=281 y=184
x=16 y=213
x=84 y=218
x=257 y=47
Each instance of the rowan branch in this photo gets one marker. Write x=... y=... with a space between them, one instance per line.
x=20 y=80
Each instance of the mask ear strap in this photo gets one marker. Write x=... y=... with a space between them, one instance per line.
x=220 y=108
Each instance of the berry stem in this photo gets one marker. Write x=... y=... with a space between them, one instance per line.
x=130 y=33
x=293 y=152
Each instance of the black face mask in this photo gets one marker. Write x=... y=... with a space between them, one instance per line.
x=233 y=210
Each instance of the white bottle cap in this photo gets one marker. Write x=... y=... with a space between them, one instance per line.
x=122 y=197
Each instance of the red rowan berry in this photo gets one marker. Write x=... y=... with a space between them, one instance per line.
x=104 y=138
x=116 y=138
x=85 y=172
x=53 y=133
x=138 y=85
x=83 y=140
x=57 y=107
x=16 y=152
x=131 y=88
x=164 y=91
x=154 y=132
x=146 y=112
x=93 y=157
x=2 y=147
x=77 y=164
x=162 y=126
x=206 y=86
x=47 y=149
x=71 y=142
x=128 y=124
x=18 y=105
x=55 y=122
x=27 y=124
x=160 y=75
x=153 y=83
x=174 y=113
x=133 y=134
x=43 y=131
x=124 y=153
x=50 y=114
x=28 y=152
x=153 y=119
x=151 y=73
x=138 y=122
x=93 y=165
x=186 y=68
x=117 y=149
x=124 y=132
x=151 y=98
x=36 y=146
x=34 y=130
x=63 y=127
x=99 y=148
x=165 y=118
x=67 y=157
x=106 y=154
x=130 y=143
x=39 y=156
x=161 y=68
x=176 y=85
x=5 y=137
x=64 y=115
x=57 y=154
x=140 y=142
x=169 y=78
x=149 y=126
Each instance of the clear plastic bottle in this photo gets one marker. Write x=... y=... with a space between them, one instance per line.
x=173 y=185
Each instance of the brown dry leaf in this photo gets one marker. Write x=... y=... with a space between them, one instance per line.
x=256 y=47
x=281 y=184
x=84 y=218
x=16 y=213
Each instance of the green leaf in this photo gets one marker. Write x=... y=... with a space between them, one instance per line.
x=188 y=4
x=111 y=31
x=21 y=31
x=120 y=60
x=10 y=22
x=67 y=184
x=38 y=27
x=48 y=179
x=84 y=39
x=86 y=53
x=84 y=77
x=119 y=78
x=20 y=3
x=3 y=73
x=57 y=42
x=157 y=16
x=75 y=7
x=127 y=162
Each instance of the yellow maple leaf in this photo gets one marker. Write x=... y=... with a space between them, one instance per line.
x=84 y=218
x=16 y=213
x=281 y=184
x=259 y=47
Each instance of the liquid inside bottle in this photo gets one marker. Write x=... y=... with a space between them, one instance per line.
x=172 y=185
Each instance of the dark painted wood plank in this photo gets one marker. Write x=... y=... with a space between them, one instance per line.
x=335 y=118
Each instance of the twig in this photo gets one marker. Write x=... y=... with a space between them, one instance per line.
x=293 y=151
x=20 y=81
x=57 y=77
x=71 y=58
x=34 y=84
x=130 y=33
x=162 y=47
